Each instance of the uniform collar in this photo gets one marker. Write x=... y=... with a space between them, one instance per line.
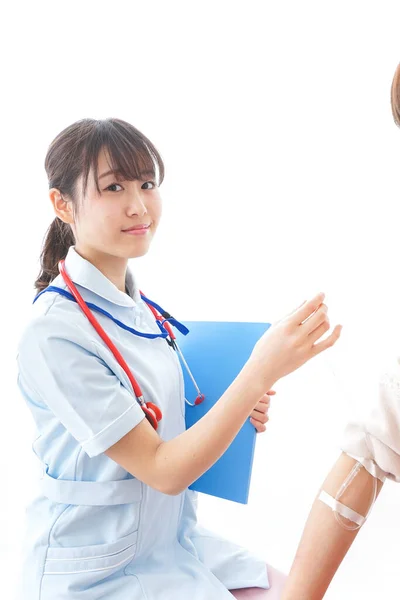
x=85 y=274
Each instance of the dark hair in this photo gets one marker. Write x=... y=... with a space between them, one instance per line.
x=395 y=96
x=73 y=153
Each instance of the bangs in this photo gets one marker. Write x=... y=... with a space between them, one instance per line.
x=130 y=154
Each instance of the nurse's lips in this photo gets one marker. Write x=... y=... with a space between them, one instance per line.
x=137 y=229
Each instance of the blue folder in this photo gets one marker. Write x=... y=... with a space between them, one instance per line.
x=215 y=353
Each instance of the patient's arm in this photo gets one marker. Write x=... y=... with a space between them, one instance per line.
x=325 y=542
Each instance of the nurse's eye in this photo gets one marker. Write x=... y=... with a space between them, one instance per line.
x=152 y=183
x=113 y=185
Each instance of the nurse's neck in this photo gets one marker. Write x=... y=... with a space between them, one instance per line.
x=112 y=267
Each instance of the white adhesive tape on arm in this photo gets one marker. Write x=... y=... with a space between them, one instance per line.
x=342 y=509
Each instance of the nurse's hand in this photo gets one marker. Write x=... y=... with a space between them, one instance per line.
x=291 y=342
x=259 y=415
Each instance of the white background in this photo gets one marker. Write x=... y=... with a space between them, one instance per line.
x=282 y=180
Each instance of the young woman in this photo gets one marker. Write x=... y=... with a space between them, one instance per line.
x=114 y=517
x=371 y=454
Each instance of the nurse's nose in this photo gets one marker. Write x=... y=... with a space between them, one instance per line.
x=136 y=204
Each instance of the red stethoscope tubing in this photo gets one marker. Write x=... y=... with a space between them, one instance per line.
x=152 y=412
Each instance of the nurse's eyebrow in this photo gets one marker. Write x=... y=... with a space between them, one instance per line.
x=107 y=173
x=143 y=173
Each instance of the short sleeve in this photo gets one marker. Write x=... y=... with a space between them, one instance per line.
x=374 y=439
x=60 y=368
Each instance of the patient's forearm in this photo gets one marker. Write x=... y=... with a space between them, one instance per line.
x=325 y=542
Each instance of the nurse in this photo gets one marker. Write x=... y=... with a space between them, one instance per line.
x=114 y=517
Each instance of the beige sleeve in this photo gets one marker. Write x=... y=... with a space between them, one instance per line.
x=374 y=439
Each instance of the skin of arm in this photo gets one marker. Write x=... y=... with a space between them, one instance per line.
x=324 y=542
x=171 y=466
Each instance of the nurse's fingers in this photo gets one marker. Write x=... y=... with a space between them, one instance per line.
x=267 y=396
x=328 y=342
x=262 y=406
x=293 y=311
x=260 y=427
x=259 y=415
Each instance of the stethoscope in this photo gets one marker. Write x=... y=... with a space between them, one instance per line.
x=163 y=320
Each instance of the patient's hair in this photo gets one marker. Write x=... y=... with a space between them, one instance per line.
x=395 y=96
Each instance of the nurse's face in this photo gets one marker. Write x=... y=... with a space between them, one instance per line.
x=104 y=221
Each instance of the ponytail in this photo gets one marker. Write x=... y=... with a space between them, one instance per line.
x=59 y=238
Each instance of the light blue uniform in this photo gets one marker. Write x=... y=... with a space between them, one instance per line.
x=94 y=531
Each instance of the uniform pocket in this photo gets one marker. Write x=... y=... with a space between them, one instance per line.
x=90 y=559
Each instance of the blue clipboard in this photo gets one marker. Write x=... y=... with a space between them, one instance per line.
x=216 y=353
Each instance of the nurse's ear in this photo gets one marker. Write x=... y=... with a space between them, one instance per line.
x=62 y=206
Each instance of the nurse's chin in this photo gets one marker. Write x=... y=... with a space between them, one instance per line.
x=138 y=251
